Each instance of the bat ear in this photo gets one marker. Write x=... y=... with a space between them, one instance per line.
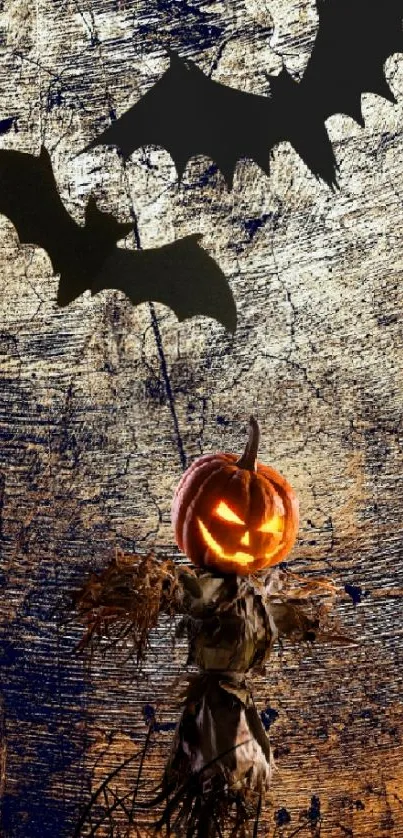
x=104 y=223
x=44 y=158
x=91 y=211
x=176 y=62
x=180 y=65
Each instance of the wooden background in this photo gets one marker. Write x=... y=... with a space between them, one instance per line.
x=103 y=404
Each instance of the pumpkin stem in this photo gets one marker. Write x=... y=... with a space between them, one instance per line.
x=248 y=459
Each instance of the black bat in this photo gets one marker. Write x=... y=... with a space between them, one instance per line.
x=181 y=274
x=188 y=114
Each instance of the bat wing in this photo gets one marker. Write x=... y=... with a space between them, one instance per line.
x=180 y=275
x=188 y=114
x=355 y=38
x=30 y=199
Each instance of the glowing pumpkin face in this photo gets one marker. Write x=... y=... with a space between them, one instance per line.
x=235 y=515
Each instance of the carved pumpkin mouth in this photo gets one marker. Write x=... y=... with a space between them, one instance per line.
x=273 y=527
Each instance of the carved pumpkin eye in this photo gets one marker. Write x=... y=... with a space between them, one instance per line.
x=275 y=525
x=223 y=511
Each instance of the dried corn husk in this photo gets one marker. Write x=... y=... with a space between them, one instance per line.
x=220 y=764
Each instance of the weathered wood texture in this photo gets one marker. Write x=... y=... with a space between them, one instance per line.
x=101 y=405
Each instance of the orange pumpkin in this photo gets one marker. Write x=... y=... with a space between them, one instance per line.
x=235 y=515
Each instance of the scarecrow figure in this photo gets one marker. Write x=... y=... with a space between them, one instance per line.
x=235 y=519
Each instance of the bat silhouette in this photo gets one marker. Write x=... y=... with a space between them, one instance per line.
x=181 y=274
x=188 y=114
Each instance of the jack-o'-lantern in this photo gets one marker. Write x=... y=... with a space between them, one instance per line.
x=235 y=515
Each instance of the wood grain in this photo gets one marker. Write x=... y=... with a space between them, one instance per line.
x=101 y=405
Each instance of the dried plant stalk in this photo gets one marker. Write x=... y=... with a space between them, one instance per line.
x=301 y=608
x=200 y=809
x=220 y=765
x=127 y=598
